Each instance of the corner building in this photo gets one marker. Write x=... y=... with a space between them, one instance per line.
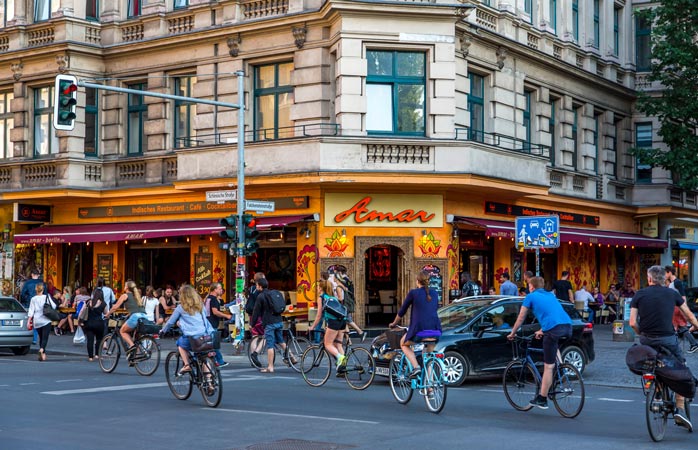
x=393 y=136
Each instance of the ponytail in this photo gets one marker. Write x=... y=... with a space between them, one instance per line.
x=423 y=280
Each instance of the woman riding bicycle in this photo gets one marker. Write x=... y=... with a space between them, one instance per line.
x=192 y=322
x=134 y=304
x=424 y=321
x=334 y=327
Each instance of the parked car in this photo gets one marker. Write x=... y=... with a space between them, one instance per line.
x=13 y=327
x=473 y=346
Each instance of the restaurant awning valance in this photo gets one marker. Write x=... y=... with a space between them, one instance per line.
x=503 y=229
x=686 y=245
x=103 y=232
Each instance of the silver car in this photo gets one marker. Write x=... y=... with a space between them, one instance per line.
x=13 y=327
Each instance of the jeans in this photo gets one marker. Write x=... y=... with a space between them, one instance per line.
x=219 y=357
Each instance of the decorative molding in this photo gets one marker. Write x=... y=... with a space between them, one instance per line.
x=234 y=45
x=502 y=54
x=63 y=62
x=299 y=34
x=17 y=68
x=465 y=43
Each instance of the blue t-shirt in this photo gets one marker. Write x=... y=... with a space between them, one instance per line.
x=508 y=288
x=547 y=309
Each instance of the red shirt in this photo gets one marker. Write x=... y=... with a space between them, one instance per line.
x=678 y=320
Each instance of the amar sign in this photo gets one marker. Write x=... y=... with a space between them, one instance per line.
x=384 y=210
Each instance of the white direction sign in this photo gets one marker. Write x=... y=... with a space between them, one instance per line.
x=221 y=196
x=259 y=206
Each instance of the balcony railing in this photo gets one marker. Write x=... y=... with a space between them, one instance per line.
x=266 y=134
x=503 y=142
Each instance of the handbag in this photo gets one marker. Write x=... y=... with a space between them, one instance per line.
x=50 y=312
x=205 y=342
x=334 y=308
x=84 y=313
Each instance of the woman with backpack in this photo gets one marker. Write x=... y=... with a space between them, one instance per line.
x=334 y=326
x=343 y=284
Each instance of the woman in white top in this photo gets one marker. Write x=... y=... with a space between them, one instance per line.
x=42 y=324
x=150 y=303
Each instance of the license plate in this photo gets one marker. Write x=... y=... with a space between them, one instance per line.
x=383 y=371
x=11 y=323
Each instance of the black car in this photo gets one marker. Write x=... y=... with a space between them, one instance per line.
x=474 y=340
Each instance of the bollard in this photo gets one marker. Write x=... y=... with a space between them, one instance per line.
x=622 y=332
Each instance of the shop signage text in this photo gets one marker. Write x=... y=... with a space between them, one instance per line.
x=649 y=226
x=518 y=210
x=383 y=210
x=32 y=213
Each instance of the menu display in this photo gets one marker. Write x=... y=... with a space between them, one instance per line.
x=436 y=281
x=105 y=268
x=203 y=272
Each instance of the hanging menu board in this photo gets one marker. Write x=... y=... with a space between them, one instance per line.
x=436 y=281
x=105 y=268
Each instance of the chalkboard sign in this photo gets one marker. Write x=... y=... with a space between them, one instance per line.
x=105 y=268
x=436 y=281
x=203 y=272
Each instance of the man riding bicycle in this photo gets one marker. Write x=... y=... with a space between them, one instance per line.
x=651 y=313
x=555 y=324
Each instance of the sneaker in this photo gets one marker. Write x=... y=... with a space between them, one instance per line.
x=131 y=349
x=224 y=364
x=342 y=362
x=415 y=373
x=681 y=420
x=539 y=401
x=363 y=337
x=693 y=349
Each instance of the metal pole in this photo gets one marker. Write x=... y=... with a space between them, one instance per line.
x=537 y=261
x=241 y=260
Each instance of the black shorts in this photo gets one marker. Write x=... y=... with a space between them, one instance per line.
x=337 y=325
x=550 y=341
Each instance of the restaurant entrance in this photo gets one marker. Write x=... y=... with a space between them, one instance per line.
x=77 y=266
x=158 y=265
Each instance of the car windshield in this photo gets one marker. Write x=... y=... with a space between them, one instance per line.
x=457 y=314
x=10 y=305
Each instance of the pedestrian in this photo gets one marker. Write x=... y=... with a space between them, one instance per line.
x=213 y=308
x=40 y=322
x=108 y=293
x=527 y=279
x=28 y=291
x=272 y=322
x=562 y=288
x=347 y=287
x=468 y=288
x=678 y=320
x=582 y=295
x=256 y=328
x=94 y=325
x=507 y=287
x=150 y=304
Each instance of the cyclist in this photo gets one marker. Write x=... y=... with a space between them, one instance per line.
x=555 y=324
x=651 y=313
x=334 y=327
x=134 y=304
x=424 y=320
x=192 y=322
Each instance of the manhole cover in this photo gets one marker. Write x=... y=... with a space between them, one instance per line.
x=297 y=444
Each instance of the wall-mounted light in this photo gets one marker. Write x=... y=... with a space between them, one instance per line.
x=344 y=232
x=424 y=233
x=455 y=233
x=305 y=231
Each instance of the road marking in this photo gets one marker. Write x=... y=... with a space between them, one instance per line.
x=68 y=381
x=604 y=399
x=498 y=391
x=300 y=416
x=27 y=384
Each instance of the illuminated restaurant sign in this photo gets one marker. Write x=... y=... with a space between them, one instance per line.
x=383 y=210
x=518 y=210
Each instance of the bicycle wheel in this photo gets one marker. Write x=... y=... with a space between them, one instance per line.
x=361 y=368
x=180 y=385
x=655 y=412
x=567 y=392
x=316 y=365
x=294 y=350
x=211 y=385
x=109 y=353
x=435 y=386
x=147 y=356
x=520 y=385
x=258 y=342
x=400 y=382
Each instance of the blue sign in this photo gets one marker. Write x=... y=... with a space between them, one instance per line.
x=538 y=232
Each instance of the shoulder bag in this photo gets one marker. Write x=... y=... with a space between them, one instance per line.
x=50 y=312
x=205 y=342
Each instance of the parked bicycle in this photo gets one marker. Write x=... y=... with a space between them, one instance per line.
x=430 y=382
x=521 y=381
x=145 y=358
x=295 y=346
x=316 y=365
x=204 y=374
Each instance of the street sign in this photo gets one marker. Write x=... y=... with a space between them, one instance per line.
x=538 y=232
x=221 y=196
x=259 y=206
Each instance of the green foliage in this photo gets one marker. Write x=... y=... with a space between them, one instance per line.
x=675 y=66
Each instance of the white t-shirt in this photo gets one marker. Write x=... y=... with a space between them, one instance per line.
x=150 y=303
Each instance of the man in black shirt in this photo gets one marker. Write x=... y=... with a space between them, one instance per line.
x=214 y=313
x=273 y=323
x=651 y=312
x=562 y=288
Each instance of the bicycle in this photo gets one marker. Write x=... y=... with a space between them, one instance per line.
x=521 y=381
x=295 y=346
x=430 y=382
x=316 y=365
x=145 y=357
x=204 y=374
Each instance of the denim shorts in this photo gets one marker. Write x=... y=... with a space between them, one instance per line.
x=132 y=321
x=183 y=341
x=274 y=334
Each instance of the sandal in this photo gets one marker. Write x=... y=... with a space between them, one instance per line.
x=265 y=370
x=185 y=369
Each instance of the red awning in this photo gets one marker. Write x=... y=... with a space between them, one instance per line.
x=61 y=234
x=503 y=229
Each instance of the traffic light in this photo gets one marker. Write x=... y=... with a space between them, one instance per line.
x=249 y=226
x=230 y=234
x=65 y=102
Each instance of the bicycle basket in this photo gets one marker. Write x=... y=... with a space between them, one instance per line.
x=145 y=326
x=641 y=359
x=394 y=337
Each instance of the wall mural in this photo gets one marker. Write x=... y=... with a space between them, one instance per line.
x=52 y=265
x=337 y=244
x=306 y=268
x=582 y=264
x=429 y=246
x=632 y=269
x=452 y=255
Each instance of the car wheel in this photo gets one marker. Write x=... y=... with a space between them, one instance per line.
x=20 y=350
x=575 y=356
x=456 y=368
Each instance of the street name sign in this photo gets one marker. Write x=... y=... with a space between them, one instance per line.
x=221 y=196
x=259 y=206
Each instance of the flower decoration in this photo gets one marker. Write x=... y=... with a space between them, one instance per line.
x=337 y=244
x=307 y=260
x=429 y=245
x=452 y=255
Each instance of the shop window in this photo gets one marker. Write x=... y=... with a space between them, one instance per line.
x=396 y=93
x=683 y=261
x=6 y=124
x=91 y=122
x=137 y=115
x=476 y=106
x=7 y=11
x=45 y=140
x=273 y=98
x=643 y=139
x=184 y=113
x=92 y=9
x=44 y=8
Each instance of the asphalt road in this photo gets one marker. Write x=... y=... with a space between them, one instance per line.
x=68 y=403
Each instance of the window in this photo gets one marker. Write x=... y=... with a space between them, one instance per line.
x=45 y=140
x=273 y=94
x=615 y=147
x=575 y=19
x=552 y=130
x=134 y=8
x=597 y=19
x=185 y=112
x=528 y=8
x=597 y=143
x=6 y=124
x=396 y=93
x=137 y=115
x=476 y=106
x=643 y=139
x=643 y=49
x=7 y=11
x=527 y=120
x=44 y=8
x=91 y=121
x=92 y=10
x=553 y=15
x=575 y=137
x=181 y=4
x=616 y=31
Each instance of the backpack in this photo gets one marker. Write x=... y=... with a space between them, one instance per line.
x=334 y=308
x=277 y=301
x=349 y=301
x=675 y=374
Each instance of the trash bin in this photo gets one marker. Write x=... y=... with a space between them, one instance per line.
x=618 y=326
x=622 y=333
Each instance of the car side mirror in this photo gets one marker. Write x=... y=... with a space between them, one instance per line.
x=481 y=327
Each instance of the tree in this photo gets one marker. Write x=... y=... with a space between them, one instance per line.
x=675 y=66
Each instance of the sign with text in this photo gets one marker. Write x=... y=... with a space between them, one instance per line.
x=221 y=196
x=518 y=210
x=31 y=213
x=203 y=272
x=105 y=268
x=538 y=232
x=384 y=210
x=259 y=206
